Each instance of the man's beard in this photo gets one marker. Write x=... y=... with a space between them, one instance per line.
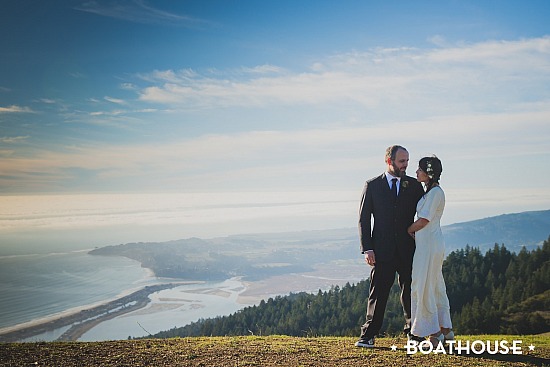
x=397 y=172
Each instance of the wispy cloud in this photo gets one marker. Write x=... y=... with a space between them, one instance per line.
x=139 y=11
x=77 y=75
x=439 y=79
x=13 y=139
x=16 y=109
x=288 y=159
x=115 y=100
x=48 y=101
x=108 y=113
x=264 y=69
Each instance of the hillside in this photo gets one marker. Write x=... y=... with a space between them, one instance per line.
x=515 y=230
x=263 y=351
x=259 y=256
x=498 y=292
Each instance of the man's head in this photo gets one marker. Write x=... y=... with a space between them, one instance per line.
x=397 y=160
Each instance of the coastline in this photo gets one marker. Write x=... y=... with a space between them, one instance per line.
x=107 y=316
x=84 y=318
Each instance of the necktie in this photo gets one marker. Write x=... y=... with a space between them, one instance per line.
x=394 y=186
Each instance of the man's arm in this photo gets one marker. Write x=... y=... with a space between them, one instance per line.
x=365 y=230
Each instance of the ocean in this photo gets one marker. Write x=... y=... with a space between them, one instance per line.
x=34 y=287
x=38 y=286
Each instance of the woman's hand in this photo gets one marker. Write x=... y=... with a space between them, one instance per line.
x=417 y=226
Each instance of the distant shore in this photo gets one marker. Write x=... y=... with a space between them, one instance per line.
x=80 y=322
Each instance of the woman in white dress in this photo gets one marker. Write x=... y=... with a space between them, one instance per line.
x=430 y=311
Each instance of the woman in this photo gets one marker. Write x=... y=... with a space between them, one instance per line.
x=430 y=311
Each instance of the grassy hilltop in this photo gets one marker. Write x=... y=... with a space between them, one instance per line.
x=261 y=351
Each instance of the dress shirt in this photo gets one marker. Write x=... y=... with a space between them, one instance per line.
x=389 y=177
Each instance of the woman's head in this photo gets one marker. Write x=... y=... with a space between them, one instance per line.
x=432 y=167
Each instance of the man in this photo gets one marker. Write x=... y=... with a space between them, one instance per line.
x=391 y=200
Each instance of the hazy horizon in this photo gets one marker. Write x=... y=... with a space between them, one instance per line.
x=39 y=223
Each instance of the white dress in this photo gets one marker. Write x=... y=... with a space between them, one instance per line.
x=430 y=309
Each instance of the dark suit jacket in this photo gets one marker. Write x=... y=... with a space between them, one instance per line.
x=388 y=237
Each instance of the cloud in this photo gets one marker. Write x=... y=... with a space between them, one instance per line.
x=453 y=78
x=15 y=109
x=77 y=75
x=264 y=69
x=48 y=100
x=114 y=100
x=326 y=126
x=139 y=11
x=13 y=139
x=108 y=113
x=317 y=157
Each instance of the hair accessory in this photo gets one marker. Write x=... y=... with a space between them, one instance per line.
x=429 y=169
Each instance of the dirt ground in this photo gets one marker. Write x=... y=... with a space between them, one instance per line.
x=253 y=351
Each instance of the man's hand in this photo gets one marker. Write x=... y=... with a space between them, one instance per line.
x=369 y=257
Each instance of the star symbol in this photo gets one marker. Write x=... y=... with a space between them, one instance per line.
x=394 y=347
x=531 y=347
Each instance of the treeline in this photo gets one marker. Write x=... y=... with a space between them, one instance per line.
x=499 y=292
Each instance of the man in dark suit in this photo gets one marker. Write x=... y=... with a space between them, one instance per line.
x=391 y=200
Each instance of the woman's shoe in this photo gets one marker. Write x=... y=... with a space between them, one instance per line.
x=435 y=340
x=449 y=336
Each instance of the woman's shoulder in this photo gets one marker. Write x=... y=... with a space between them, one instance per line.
x=437 y=191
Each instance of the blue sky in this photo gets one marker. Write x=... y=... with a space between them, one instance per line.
x=102 y=97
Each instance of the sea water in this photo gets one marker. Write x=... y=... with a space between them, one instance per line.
x=34 y=287
x=38 y=286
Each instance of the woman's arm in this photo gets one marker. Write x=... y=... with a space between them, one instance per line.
x=417 y=226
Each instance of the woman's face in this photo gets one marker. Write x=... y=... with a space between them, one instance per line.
x=422 y=176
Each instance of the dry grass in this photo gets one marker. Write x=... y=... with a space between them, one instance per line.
x=259 y=351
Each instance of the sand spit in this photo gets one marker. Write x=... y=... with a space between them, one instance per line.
x=83 y=320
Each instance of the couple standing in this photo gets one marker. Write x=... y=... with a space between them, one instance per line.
x=393 y=199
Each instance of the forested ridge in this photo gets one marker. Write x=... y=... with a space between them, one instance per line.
x=496 y=292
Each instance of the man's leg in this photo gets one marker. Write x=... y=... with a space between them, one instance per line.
x=381 y=280
x=404 y=278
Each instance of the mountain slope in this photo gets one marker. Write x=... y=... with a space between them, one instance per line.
x=527 y=229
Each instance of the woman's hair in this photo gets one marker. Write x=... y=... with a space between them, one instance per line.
x=433 y=168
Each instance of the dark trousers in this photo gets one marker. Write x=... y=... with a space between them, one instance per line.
x=381 y=280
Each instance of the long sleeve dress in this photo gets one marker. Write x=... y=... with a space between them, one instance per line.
x=429 y=302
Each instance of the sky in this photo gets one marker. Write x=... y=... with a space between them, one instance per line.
x=221 y=117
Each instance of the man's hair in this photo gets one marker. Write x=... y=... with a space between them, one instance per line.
x=392 y=151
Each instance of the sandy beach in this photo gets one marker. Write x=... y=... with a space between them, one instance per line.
x=83 y=319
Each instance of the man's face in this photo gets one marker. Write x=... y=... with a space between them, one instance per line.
x=398 y=167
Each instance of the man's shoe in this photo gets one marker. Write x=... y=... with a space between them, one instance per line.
x=413 y=338
x=365 y=343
